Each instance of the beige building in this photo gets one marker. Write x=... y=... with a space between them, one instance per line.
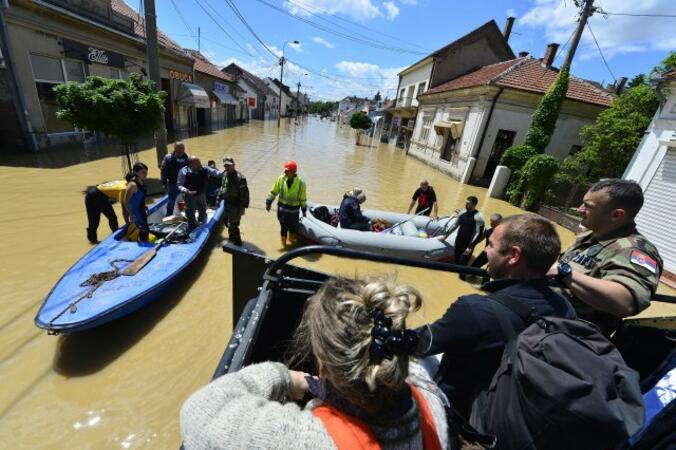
x=56 y=41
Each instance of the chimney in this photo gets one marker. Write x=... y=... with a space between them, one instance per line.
x=548 y=59
x=620 y=85
x=523 y=54
x=508 y=28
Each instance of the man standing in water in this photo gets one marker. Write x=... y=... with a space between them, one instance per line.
x=292 y=199
x=470 y=225
x=171 y=165
x=611 y=271
x=235 y=194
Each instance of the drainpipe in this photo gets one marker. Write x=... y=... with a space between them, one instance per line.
x=13 y=79
x=488 y=122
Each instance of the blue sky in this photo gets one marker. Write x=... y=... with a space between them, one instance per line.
x=330 y=66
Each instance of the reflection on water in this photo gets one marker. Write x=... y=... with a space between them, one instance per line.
x=121 y=385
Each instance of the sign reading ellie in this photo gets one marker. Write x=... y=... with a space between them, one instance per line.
x=92 y=55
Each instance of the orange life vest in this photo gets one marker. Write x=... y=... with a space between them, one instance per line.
x=349 y=432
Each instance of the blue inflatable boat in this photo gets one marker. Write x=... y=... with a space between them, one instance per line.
x=94 y=291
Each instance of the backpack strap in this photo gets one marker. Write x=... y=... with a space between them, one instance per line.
x=509 y=335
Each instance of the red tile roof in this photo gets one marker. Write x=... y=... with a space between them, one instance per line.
x=121 y=7
x=202 y=64
x=526 y=74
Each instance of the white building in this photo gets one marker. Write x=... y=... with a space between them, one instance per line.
x=481 y=114
x=288 y=99
x=654 y=168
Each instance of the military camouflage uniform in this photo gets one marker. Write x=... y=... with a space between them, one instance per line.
x=624 y=256
x=235 y=193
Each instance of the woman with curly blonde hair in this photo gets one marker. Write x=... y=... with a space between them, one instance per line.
x=367 y=393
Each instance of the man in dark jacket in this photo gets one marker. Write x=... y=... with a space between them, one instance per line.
x=350 y=213
x=171 y=165
x=520 y=251
x=193 y=180
x=235 y=193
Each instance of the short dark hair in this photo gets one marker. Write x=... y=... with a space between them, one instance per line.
x=536 y=236
x=625 y=194
x=473 y=199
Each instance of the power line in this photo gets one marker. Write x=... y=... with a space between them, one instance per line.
x=206 y=2
x=369 y=43
x=315 y=14
x=563 y=47
x=601 y=53
x=222 y=29
x=239 y=15
x=185 y=22
x=669 y=16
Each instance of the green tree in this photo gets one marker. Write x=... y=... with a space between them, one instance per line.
x=360 y=121
x=543 y=120
x=610 y=142
x=532 y=181
x=124 y=109
x=637 y=80
x=322 y=108
x=667 y=63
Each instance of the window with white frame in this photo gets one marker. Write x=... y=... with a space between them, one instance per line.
x=421 y=88
x=426 y=129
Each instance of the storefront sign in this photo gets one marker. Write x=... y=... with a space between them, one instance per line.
x=180 y=76
x=251 y=102
x=92 y=55
x=220 y=87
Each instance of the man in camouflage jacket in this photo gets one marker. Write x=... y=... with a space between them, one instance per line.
x=235 y=194
x=615 y=269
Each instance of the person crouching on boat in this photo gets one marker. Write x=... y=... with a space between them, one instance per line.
x=292 y=193
x=367 y=395
x=98 y=201
x=135 y=203
x=350 y=213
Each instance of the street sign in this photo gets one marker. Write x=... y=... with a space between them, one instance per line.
x=251 y=102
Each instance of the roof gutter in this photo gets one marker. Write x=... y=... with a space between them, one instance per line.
x=485 y=130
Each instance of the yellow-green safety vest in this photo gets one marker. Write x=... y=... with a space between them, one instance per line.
x=114 y=189
x=293 y=196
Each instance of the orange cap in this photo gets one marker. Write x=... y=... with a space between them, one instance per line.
x=290 y=165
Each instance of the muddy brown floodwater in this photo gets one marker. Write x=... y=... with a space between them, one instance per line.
x=121 y=385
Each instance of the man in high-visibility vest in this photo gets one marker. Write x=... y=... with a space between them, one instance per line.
x=292 y=193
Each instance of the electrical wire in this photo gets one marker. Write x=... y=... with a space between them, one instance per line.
x=369 y=43
x=222 y=29
x=185 y=22
x=601 y=52
x=316 y=14
x=239 y=15
x=563 y=47
x=219 y=15
x=665 y=16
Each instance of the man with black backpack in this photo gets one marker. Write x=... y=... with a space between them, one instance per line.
x=521 y=250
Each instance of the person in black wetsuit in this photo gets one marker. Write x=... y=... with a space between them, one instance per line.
x=171 y=165
x=482 y=259
x=470 y=225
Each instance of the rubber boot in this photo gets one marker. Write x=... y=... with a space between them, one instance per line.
x=91 y=236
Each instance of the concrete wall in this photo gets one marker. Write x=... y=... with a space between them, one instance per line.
x=409 y=82
x=462 y=60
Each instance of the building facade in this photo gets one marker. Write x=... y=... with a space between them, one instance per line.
x=653 y=166
x=481 y=114
x=56 y=41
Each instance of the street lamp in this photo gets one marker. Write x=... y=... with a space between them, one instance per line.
x=281 y=81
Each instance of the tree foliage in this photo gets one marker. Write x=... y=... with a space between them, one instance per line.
x=667 y=63
x=125 y=109
x=360 y=121
x=516 y=156
x=543 y=120
x=610 y=142
x=532 y=181
x=322 y=108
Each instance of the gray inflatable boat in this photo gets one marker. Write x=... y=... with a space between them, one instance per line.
x=414 y=238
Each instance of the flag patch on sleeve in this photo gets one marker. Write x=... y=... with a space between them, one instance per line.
x=641 y=259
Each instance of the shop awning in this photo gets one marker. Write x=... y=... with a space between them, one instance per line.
x=193 y=95
x=454 y=127
x=225 y=98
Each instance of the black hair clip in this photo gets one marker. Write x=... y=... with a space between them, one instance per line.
x=387 y=343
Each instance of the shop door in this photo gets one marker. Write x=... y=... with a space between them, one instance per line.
x=503 y=141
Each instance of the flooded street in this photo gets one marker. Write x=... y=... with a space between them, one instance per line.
x=121 y=385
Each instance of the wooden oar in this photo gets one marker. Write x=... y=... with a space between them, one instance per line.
x=403 y=221
x=140 y=262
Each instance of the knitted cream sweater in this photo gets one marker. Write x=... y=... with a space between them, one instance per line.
x=250 y=409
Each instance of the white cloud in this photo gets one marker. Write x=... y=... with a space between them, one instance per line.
x=322 y=41
x=409 y=2
x=616 y=35
x=363 y=80
x=392 y=10
x=296 y=47
x=358 y=9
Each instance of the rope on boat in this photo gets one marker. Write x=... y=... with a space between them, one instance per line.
x=95 y=281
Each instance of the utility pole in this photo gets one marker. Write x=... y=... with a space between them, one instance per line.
x=587 y=11
x=199 y=46
x=14 y=83
x=154 y=72
x=281 y=77
x=298 y=97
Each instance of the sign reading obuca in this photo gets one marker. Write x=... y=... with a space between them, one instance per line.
x=180 y=76
x=92 y=55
